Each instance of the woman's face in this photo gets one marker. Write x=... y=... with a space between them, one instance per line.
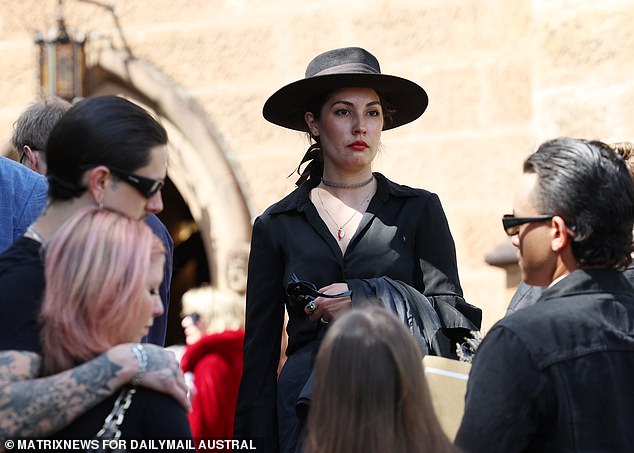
x=349 y=128
x=194 y=327
x=153 y=306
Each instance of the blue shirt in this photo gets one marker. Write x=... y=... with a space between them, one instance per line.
x=23 y=195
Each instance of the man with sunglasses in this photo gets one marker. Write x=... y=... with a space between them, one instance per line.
x=94 y=136
x=527 y=295
x=555 y=376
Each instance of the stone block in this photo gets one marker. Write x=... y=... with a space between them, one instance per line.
x=455 y=98
x=19 y=73
x=200 y=57
x=508 y=93
x=587 y=46
x=583 y=111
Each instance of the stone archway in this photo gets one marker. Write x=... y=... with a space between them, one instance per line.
x=200 y=169
x=202 y=182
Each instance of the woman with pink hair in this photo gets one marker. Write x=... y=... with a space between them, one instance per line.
x=103 y=272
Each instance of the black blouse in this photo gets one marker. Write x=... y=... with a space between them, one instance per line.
x=404 y=235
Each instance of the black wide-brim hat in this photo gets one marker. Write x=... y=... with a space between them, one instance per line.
x=349 y=67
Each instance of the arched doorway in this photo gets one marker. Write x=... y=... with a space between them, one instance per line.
x=206 y=209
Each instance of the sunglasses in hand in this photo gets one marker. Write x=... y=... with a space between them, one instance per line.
x=303 y=293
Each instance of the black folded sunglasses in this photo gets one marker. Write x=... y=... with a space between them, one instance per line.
x=304 y=289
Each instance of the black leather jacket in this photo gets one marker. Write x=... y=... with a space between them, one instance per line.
x=436 y=327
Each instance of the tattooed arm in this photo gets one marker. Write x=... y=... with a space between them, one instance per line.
x=36 y=407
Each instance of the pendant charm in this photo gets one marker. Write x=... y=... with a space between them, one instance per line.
x=340 y=233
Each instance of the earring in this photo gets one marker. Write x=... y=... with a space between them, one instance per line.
x=100 y=205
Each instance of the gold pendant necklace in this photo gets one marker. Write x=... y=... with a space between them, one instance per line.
x=341 y=233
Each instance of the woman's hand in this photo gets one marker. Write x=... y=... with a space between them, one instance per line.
x=327 y=309
x=163 y=372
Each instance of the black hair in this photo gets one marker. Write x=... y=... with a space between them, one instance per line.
x=588 y=185
x=104 y=130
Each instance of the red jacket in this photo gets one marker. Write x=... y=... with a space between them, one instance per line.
x=216 y=361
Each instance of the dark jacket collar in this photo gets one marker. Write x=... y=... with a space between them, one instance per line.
x=589 y=281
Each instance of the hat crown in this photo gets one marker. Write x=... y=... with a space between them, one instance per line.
x=347 y=60
x=347 y=67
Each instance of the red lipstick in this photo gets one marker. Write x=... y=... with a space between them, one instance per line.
x=358 y=145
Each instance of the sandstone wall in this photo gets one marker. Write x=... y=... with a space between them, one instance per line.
x=502 y=76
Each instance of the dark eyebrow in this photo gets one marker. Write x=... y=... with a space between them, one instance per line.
x=348 y=103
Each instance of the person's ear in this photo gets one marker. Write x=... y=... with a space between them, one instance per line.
x=561 y=234
x=311 y=123
x=97 y=181
x=31 y=158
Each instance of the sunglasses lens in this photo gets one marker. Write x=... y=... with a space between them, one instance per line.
x=510 y=225
x=148 y=187
x=154 y=188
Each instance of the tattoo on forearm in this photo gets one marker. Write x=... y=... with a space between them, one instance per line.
x=33 y=407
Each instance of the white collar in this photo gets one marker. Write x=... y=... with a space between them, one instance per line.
x=558 y=279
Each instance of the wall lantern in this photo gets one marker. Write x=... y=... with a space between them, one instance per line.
x=61 y=62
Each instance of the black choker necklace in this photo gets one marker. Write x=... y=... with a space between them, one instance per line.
x=342 y=185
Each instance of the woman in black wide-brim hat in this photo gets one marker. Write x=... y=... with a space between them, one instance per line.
x=345 y=232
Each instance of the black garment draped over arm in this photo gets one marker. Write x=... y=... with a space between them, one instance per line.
x=436 y=329
x=403 y=235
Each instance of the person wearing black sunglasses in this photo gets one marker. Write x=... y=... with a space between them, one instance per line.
x=30 y=136
x=526 y=295
x=95 y=134
x=213 y=321
x=563 y=365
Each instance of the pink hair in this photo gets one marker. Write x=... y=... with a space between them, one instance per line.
x=95 y=266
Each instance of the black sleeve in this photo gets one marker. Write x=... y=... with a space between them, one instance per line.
x=256 y=412
x=155 y=415
x=21 y=289
x=500 y=407
x=436 y=255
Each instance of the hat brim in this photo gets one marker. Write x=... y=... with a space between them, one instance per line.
x=287 y=106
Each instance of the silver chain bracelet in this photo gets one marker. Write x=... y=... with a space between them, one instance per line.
x=141 y=359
